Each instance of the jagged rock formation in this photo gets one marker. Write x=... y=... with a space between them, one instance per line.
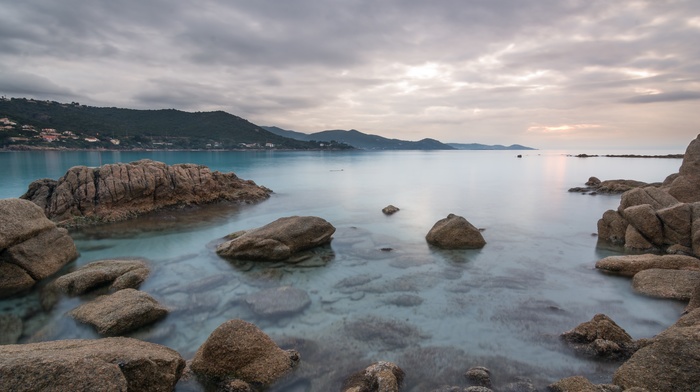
x=120 y=191
x=32 y=248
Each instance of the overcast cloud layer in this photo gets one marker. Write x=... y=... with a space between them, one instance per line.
x=549 y=74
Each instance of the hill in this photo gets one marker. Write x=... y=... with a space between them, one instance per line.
x=361 y=140
x=477 y=146
x=38 y=123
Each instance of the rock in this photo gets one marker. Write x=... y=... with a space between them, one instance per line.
x=695 y=229
x=670 y=362
x=519 y=386
x=593 y=181
x=390 y=210
x=612 y=227
x=479 y=376
x=121 y=312
x=279 y=240
x=655 y=197
x=455 y=232
x=629 y=265
x=677 y=223
x=111 y=364
x=238 y=349
x=116 y=274
x=10 y=329
x=664 y=283
x=32 y=248
x=618 y=186
x=278 y=301
x=694 y=302
x=377 y=377
x=643 y=218
x=600 y=337
x=123 y=190
x=478 y=389
x=686 y=186
x=634 y=240
x=573 y=384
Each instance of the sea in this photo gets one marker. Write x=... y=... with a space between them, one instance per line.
x=378 y=292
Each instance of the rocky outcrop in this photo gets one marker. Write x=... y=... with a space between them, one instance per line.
x=278 y=240
x=663 y=218
x=629 y=265
x=390 y=210
x=612 y=187
x=111 y=364
x=455 y=232
x=121 y=312
x=278 y=301
x=115 y=274
x=378 y=377
x=123 y=190
x=32 y=248
x=600 y=337
x=670 y=362
x=664 y=283
x=239 y=350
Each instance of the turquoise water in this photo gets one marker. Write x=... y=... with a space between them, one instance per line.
x=435 y=313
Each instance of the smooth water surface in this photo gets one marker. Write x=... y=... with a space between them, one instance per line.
x=379 y=292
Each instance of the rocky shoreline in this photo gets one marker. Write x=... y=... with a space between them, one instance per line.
x=238 y=356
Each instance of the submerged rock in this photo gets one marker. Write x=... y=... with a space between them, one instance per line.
x=120 y=191
x=110 y=364
x=278 y=240
x=239 y=350
x=600 y=337
x=278 y=301
x=121 y=312
x=455 y=232
x=116 y=274
x=377 y=377
x=32 y=248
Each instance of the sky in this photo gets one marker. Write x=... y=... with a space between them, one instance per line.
x=550 y=74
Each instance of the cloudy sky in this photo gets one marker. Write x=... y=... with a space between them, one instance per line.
x=548 y=74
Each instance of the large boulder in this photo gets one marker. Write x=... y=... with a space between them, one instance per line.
x=116 y=274
x=239 y=350
x=455 y=232
x=32 y=248
x=121 y=312
x=665 y=283
x=686 y=186
x=123 y=190
x=670 y=362
x=378 y=377
x=643 y=218
x=111 y=364
x=629 y=265
x=600 y=337
x=612 y=227
x=278 y=240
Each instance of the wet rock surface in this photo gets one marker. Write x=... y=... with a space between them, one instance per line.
x=455 y=232
x=278 y=240
x=120 y=191
x=110 y=364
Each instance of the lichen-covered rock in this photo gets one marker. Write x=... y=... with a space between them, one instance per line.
x=239 y=350
x=123 y=190
x=378 y=377
x=278 y=240
x=600 y=337
x=121 y=312
x=32 y=248
x=629 y=265
x=664 y=283
x=116 y=274
x=111 y=364
x=455 y=232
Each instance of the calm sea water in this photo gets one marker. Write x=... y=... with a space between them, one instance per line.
x=435 y=313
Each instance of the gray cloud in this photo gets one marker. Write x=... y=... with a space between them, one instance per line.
x=490 y=71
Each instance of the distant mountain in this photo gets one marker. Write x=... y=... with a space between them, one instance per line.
x=477 y=146
x=167 y=128
x=361 y=140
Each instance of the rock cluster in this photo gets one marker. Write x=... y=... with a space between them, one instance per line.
x=278 y=240
x=123 y=190
x=32 y=248
x=601 y=337
x=611 y=187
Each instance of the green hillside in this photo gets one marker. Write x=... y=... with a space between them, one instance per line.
x=130 y=128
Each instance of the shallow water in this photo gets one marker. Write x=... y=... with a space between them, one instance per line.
x=379 y=292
